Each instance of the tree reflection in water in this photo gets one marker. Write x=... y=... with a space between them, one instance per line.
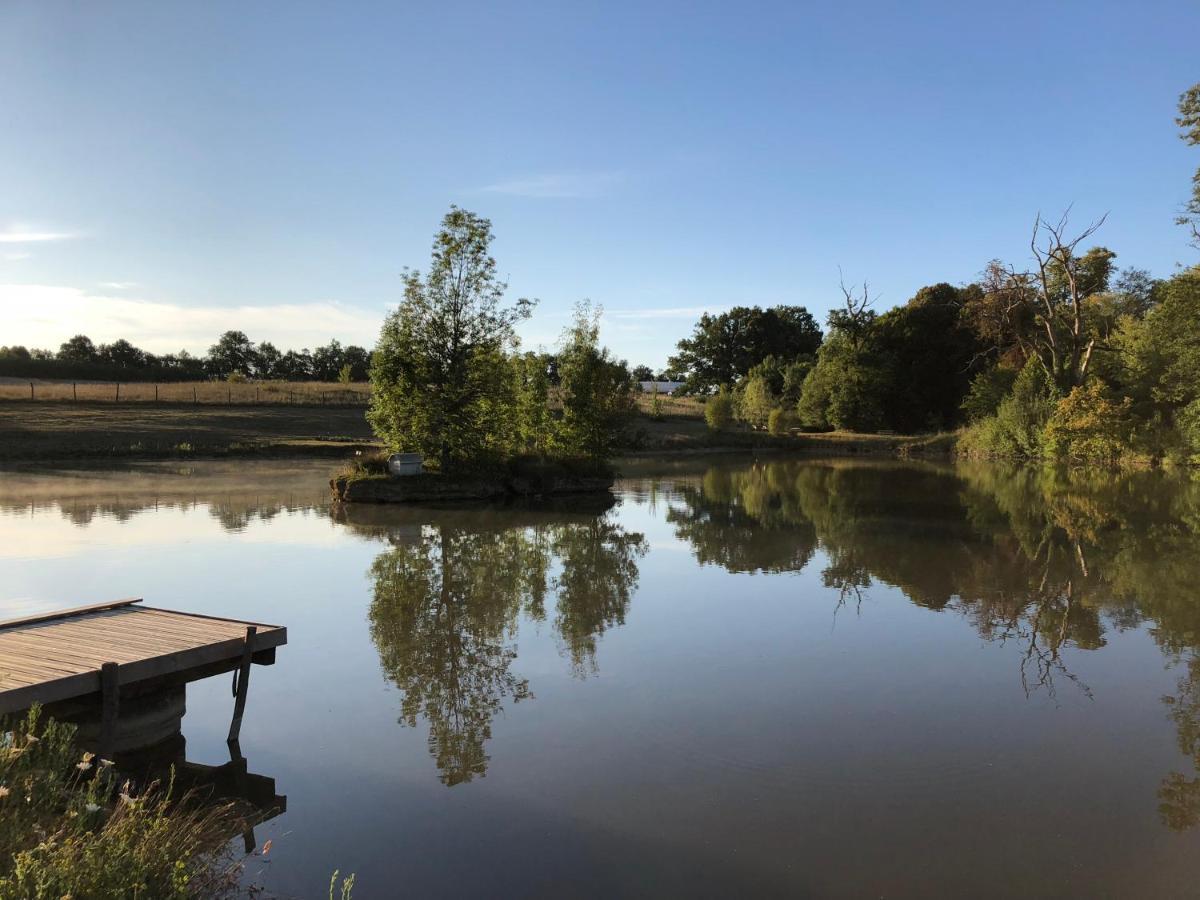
x=448 y=597
x=1050 y=559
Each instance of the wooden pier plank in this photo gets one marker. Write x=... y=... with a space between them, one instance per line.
x=45 y=659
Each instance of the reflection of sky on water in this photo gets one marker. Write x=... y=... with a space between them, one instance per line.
x=736 y=729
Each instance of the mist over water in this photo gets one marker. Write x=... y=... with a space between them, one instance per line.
x=789 y=677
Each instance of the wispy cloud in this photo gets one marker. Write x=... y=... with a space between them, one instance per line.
x=17 y=257
x=17 y=234
x=38 y=315
x=577 y=185
x=118 y=285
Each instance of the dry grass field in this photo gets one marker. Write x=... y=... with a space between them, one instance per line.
x=195 y=392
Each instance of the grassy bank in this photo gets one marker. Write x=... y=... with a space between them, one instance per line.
x=677 y=426
x=55 y=430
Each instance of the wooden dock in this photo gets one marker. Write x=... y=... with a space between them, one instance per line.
x=101 y=651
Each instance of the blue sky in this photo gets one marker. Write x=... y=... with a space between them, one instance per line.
x=170 y=170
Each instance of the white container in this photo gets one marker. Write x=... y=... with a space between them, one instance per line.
x=405 y=464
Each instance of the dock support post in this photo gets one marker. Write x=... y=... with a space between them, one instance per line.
x=242 y=685
x=110 y=698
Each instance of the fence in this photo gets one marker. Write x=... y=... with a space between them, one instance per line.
x=300 y=393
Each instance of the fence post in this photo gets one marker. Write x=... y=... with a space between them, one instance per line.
x=74 y=393
x=31 y=390
x=118 y=392
x=156 y=393
x=194 y=400
x=256 y=395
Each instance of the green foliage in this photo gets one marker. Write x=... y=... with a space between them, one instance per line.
x=1018 y=427
x=597 y=391
x=438 y=383
x=754 y=401
x=988 y=389
x=718 y=411
x=845 y=388
x=534 y=423
x=724 y=347
x=1189 y=123
x=233 y=352
x=68 y=829
x=778 y=421
x=1088 y=425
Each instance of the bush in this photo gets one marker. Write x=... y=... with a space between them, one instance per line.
x=68 y=829
x=718 y=411
x=1018 y=427
x=1086 y=424
x=755 y=401
x=236 y=378
x=779 y=421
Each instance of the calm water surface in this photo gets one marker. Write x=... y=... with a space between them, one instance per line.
x=801 y=678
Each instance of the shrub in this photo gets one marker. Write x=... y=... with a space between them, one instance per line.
x=755 y=401
x=68 y=829
x=1086 y=424
x=236 y=378
x=1018 y=427
x=718 y=411
x=778 y=421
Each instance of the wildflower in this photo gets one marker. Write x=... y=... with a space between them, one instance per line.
x=92 y=807
x=88 y=757
x=266 y=848
x=31 y=738
x=4 y=792
x=106 y=763
x=83 y=766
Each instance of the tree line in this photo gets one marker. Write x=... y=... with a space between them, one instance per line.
x=1067 y=357
x=234 y=356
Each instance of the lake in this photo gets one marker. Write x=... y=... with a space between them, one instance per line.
x=828 y=678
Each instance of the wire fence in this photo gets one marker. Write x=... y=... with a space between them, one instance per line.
x=299 y=393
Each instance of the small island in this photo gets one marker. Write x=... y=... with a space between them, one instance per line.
x=464 y=415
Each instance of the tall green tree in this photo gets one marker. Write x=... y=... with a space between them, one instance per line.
x=724 y=347
x=233 y=353
x=596 y=390
x=432 y=372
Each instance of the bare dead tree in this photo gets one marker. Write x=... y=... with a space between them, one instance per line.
x=1061 y=313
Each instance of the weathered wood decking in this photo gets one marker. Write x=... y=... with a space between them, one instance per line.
x=60 y=656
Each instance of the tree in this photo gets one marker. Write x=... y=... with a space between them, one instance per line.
x=123 y=354
x=597 y=391
x=928 y=355
x=845 y=387
x=78 y=349
x=359 y=361
x=718 y=411
x=233 y=353
x=1044 y=313
x=431 y=372
x=295 y=366
x=328 y=361
x=724 y=347
x=1189 y=122
x=266 y=363
x=643 y=373
x=755 y=400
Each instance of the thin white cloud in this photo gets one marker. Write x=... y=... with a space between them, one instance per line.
x=118 y=285
x=39 y=315
x=17 y=257
x=578 y=185
x=18 y=235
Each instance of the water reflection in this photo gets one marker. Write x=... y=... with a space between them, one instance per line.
x=448 y=596
x=1049 y=559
